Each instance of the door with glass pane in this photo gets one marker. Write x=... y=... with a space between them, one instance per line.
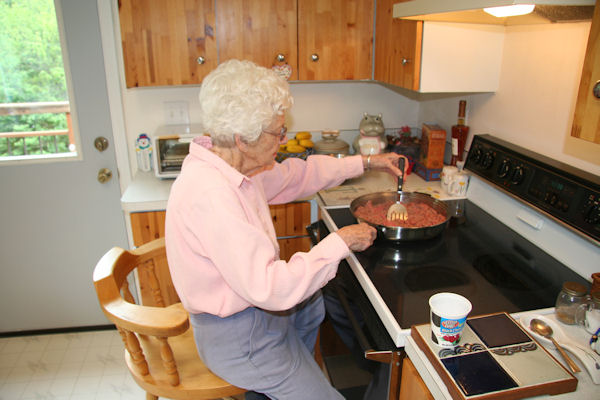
x=57 y=217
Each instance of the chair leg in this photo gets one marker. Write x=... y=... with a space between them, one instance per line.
x=150 y=396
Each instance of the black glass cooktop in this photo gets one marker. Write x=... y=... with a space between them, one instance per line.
x=476 y=256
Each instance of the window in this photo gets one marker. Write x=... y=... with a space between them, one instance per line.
x=35 y=117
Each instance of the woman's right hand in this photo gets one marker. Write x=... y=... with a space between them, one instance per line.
x=358 y=237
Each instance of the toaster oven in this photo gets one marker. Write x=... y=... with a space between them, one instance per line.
x=171 y=144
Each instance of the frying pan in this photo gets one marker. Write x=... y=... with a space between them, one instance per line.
x=399 y=233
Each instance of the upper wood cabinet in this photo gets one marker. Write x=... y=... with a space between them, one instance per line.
x=167 y=42
x=180 y=41
x=264 y=32
x=397 y=48
x=586 y=122
x=431 y=57
x=335 y=39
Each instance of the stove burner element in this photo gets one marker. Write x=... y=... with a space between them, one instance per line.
x=507 y=271
x=434 y=278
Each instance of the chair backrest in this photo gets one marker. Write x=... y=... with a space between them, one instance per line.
x=151 y=334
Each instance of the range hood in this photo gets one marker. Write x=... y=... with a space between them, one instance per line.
x=471 y=11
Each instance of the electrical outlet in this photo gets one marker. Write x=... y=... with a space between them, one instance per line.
x=176 y=112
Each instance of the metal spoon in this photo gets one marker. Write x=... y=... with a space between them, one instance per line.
x=397 y=211
x=546 y=331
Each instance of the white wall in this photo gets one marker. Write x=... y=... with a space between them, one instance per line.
x=317 y=106
x=534 y=105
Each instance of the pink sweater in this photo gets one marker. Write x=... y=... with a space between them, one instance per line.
x=221 y=246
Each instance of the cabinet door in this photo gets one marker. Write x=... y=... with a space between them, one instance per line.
x=412 y=385
x=335 y=39
x=167 y=42
x=397 y=48
x=145 y=227
x=290 y=221
x=258 y=31
x=586 y=122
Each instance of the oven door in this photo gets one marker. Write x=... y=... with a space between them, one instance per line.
x=357 y=324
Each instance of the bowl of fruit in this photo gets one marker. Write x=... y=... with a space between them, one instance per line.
x=301 y=146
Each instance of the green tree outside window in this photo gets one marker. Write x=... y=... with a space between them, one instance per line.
x=31 y=70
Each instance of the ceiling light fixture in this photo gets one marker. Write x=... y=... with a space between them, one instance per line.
x=510 y=11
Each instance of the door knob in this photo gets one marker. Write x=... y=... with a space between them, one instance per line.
x=101 y=143
x=104 y=175
x=314 y=57
x=596 y=90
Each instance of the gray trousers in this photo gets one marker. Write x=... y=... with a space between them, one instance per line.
x=266 y=352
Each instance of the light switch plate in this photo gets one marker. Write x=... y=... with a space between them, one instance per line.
x=176 y=113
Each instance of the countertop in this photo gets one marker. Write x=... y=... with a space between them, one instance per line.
x=586 y=389
x=146 y=192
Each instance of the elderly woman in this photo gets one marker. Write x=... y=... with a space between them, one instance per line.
x=255 y=317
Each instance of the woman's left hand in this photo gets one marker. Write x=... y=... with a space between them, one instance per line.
x=385 y=162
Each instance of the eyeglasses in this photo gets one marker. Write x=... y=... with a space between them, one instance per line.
x=282 y=133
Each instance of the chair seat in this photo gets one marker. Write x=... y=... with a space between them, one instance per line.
x=196 y=380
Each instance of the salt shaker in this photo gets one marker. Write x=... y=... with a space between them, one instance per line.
x=571 y=296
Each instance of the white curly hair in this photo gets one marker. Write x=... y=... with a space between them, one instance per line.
x=241 y=98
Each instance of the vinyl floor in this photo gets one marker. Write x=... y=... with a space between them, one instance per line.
x=90 y=366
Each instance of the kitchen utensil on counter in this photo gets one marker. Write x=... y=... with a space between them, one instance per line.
x=446 y=175
x=331 y=145
x=571 y=296
x=448 y=313
x=397 y=211
x=571 y=337
x=399 y=233
x=542 y=328
x=459 y=183
x=588 y=314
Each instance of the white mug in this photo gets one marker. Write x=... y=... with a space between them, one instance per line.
x=458 y=184
x=446 y=175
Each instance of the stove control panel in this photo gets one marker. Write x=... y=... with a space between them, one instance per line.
x=567 y=194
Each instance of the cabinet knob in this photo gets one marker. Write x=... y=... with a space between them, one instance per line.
x=200 y=60
x=280 y=57
x=314 y=57
x=405 y=61
x=596 y=90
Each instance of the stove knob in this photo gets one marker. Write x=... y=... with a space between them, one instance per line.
x=477 y=153
x=592 y=216
x=504 y=168
x=518 y=175
x=488 y=159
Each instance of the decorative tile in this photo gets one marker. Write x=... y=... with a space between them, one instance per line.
x=478 y=373
x=498 y=330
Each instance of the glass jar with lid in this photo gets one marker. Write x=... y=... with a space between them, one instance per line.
x=571 y=296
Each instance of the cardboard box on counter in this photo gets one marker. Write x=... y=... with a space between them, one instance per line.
x=429 y=174
x=433 y=145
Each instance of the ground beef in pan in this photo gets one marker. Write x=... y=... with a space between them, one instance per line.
x=420 y=215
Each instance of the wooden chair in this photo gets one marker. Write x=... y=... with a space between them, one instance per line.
x=160 y=349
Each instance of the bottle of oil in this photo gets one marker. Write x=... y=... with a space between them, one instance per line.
x=460 y=131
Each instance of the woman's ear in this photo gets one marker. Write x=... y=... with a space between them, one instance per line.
x=241 y=144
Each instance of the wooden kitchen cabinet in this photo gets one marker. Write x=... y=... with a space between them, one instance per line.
x=411 y=384
x=259 y=31
x=335 y=39
x=290 y=221
x=397 y=48
x=167 y=42
x=431 y=57
x=586 y=122
x=163 y=42
x=145 y=227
